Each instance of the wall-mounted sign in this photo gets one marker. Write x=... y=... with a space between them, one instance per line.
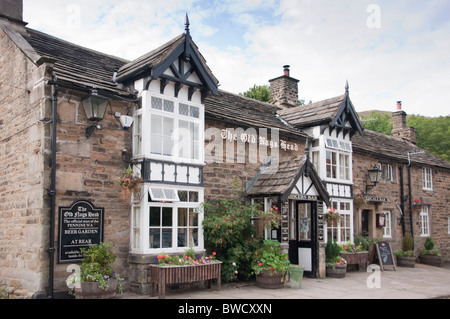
x=376 y=199
x=80 y=226
x=232 y=135
x=303 y=197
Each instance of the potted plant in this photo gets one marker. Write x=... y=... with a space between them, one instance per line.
x=336 y=266
x=270 y=266
x=355 y=255
x=406 y=256
x=430 y=255
x=97 y=279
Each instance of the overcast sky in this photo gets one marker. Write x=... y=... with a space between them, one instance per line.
x=387 y=50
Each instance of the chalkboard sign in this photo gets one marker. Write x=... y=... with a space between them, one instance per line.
x=80 y=226
x=382 y=255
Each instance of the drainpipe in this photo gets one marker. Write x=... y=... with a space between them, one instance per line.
x=52 y=191
x=410 y=202
x=402 y=199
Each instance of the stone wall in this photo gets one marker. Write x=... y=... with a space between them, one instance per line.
x=24 y=214
x=89 y=169
x=438 y=201
x=221 y=179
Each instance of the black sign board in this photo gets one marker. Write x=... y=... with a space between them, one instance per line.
x=382 y=255
x=80 y=226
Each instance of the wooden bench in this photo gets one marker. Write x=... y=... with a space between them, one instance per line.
x=172 y=275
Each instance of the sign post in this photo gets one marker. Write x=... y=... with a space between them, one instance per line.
x=80 y=226
x=382 y=254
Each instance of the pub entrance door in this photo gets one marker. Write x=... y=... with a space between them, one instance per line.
x=304 y=250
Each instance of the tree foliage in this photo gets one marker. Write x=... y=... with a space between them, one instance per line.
x=378 y=122
x=432 y=134
x=228 y=230
x=258 y=92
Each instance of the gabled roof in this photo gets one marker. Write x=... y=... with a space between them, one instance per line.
x=335 y=112
x=394 y=148
x=77 y=65
x=282 y=182
x=240 y=110
x=159 y=60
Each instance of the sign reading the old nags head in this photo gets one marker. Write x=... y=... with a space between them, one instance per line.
x=80 y=226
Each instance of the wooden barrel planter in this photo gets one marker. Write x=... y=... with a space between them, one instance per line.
x=359 y=259
x=92 y=290
x=172 y=275
x=431 y=260
x=337 y=272
x=409 y=262
x=270 y=279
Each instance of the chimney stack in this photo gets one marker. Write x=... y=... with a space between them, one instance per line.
x=12 y=10
x=399 y=125
x=284 y=90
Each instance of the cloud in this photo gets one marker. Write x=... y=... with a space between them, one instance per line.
x=388 y=50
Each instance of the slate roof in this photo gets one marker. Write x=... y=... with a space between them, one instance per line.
x=395 y=148
x=145 y=63
x=281 y=182
x=76 y=64
x=313 y=114
x=240 y=110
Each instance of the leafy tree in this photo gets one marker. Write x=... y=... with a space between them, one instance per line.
x=258 y=92
x=378 y=122
x=432 y=134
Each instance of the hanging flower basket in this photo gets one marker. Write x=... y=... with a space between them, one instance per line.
x=417 y=204
x=130 y=182
x=359 y=201
x=332 y=216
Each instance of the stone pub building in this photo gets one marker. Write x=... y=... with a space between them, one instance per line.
x=163 y=116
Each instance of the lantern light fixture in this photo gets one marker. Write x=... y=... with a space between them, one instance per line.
x=375 y=175
x=95 y=108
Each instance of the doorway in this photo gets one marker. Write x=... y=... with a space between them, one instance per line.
x=303 y=250
x=365 y=222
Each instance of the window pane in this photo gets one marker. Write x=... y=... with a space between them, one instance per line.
x=168 y=106
x=193 y=218
x=166 y=238
x=183 y=195
x=193 y=197
x=184 y=109
x=167 y=216
x=155 y=217
x=195 y=112
x=182 y=217
x=155 y=240
x=156 y=103
x=182 y=239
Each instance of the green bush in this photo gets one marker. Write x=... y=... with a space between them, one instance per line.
x=407 y=242
x=229 y=232
x=429 y=243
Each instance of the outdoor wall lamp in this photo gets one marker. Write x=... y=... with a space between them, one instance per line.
x=374 y=177
x=95 y=108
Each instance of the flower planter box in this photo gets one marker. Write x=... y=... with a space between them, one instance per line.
x=431 y=260
x=409 y=262
x=361 y=259
x=270 y=279
x=172 y=275
x=92 y=290
x=337 y=272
